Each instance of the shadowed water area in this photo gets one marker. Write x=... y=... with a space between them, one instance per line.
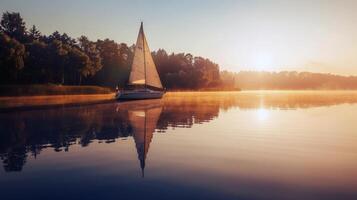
x=227 y=145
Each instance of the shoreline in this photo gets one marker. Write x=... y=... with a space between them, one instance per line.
x=51 y=90
x=23 y=102
x=10 y=103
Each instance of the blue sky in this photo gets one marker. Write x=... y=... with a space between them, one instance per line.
x=273 y=35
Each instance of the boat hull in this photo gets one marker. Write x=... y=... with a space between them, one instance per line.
x=137 y=95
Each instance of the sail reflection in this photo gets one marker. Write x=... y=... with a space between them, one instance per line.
x=27 y=133
x=143 y=119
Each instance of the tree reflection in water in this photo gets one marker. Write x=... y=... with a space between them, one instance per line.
x=27 y=133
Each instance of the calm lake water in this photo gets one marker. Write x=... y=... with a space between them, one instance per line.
x=243 y=145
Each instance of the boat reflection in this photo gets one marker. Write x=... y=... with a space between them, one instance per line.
x=143 y=118
x=27 y=133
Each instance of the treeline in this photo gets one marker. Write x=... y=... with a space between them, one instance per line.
x=29 y=57
x=288 y=80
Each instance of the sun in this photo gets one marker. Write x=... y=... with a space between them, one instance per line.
x=263 y=62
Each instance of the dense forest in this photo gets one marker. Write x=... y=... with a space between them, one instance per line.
x=29 y=57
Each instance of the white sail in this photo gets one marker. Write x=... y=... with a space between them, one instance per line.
x=137 y=74
x=143 y=69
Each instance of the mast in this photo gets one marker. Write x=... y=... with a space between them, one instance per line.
x=142 y=31
x=144 y=156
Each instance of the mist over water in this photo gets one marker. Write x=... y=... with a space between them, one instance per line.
x=225 y=145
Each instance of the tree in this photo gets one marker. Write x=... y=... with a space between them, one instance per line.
x=34 y=33
x=38 y=65
x=116 y=61
x=57 y=53
x=13 y=25
x=80 y=65
x=64 y=38
x=89 y=48
x=12 y=54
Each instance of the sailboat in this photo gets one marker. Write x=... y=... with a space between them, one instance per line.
x=144 y=81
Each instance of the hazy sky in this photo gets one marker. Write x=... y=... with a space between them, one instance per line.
x=302 y=35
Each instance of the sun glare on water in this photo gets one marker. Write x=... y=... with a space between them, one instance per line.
x=262 y=114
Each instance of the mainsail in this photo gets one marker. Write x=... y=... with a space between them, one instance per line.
x=143 y=69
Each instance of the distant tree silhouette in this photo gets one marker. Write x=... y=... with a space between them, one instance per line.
x=292 y=80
